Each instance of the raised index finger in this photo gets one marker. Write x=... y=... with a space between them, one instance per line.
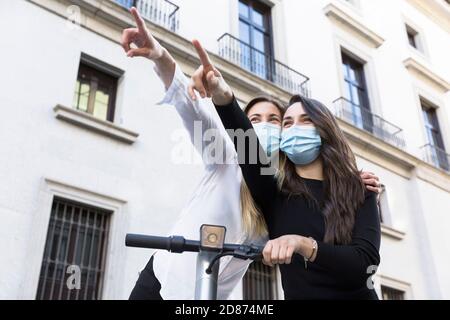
x=202 y=54
x=137 y=17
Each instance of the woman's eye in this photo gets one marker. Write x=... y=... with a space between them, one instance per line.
x=255 y=121
x=275 y=121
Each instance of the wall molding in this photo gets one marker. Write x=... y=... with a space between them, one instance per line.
x=425 y=74
x=344 y=19
x=436 y=10
x=392 y=232
x=89 y=122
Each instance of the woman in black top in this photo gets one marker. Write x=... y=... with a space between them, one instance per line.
x=324 y=227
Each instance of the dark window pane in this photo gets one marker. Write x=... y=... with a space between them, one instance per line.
x=351 y=74
x=412 y=36
x=244 y=10
x=101 y=104
x=259 y=41
x=354 y=94
x=412 y=40
x=82 y=91
x=244 y=48
x=345 y=70
x=258 y=18
x=244 y=32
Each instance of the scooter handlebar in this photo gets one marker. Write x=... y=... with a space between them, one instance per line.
x=178 y=244
x=173 y=244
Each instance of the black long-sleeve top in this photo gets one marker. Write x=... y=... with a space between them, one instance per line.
x=339 y=271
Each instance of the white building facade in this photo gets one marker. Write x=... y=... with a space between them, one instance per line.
x=86 y=156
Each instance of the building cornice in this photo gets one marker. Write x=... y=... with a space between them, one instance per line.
x=392 y=232
x=426 y=74
x=88 y=121
x=342 y=18
x=436 y=10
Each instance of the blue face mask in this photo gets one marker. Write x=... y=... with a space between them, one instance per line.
x=269 y=136
x=301 y=144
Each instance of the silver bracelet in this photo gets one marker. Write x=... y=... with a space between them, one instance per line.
x=312 y=254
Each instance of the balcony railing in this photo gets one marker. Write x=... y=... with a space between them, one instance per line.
x=263 y=65
x=436 y=156
x=162 y=12
x=366 y=120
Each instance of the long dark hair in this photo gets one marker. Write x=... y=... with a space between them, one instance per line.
x=343 y=186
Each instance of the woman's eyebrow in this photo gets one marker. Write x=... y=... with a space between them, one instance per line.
x=255 y=115
x=274 y=115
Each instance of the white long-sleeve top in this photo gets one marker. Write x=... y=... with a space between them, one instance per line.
x=215 y=201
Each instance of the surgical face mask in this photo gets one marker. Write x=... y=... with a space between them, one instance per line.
x=269 y=137
x=301 y=144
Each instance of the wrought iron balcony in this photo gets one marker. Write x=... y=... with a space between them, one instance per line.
x=263 y=65
x=436 y=156
x=162 y=12
x=362 y=118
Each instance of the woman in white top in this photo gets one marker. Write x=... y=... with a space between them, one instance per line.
x=221 y=198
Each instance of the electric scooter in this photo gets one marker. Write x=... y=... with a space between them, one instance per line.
x=210 y=249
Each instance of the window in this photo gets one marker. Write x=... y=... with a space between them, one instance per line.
x=256 y=37
x=435 y=146
x=431 y=125
x=389 y=293
x=260 y=282
x=95 y=92
x=77 y=236
x=413 y=36
x=356 y=92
